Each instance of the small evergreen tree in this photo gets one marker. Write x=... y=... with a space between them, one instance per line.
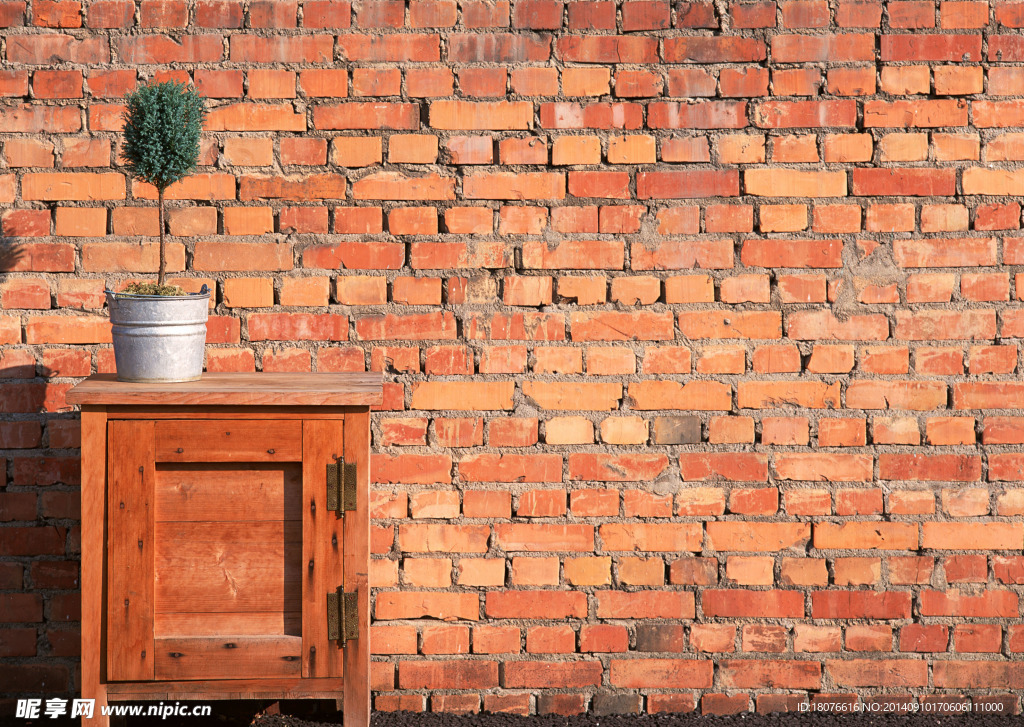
x=162 y=124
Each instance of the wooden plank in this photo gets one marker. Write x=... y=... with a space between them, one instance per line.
x=247 y=623
x=263 y=413
x=286 y=688
x=228 y=440
x=357 y=567
x=130 y=551
x=322 y=544
x=213 y=389
x=94 y=520
x=221 y=567
x=224 y=658
x=228 y=492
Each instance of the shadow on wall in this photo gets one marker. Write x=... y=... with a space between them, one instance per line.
x=40 y=438
x=11 y=254
x=39 y=470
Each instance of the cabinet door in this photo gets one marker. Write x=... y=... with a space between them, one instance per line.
x=222 y=550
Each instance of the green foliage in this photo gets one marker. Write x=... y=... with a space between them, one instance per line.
x=162 y=124
x=152 y=289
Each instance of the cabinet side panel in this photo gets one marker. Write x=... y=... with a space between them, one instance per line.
x=130 y=551
x=357 y=567
x=322 y=547
x=94 y=518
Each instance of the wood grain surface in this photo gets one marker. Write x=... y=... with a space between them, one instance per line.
x=224 y=440
x=220 y=657
x=357 y=566
x=94 y=522
x=200 y=689
x=130 y=549
x=322 y=548
x=225 y=492
x=216 y=567
x=235 y=389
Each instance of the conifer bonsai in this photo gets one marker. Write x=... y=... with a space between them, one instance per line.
x=162 y=124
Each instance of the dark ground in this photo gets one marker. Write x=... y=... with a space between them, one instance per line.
x=779 y=719
x=310 y=714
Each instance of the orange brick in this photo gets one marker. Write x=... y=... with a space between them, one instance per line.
x=249 y=152
x=412 y=149
x=313 y=291
x=80 y=222
x=248 y=220
x=585 y=81
x=248 y=292
x=567 y=150
x=356 y=151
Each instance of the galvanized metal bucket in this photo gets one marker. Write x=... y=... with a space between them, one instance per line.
x=158 y=338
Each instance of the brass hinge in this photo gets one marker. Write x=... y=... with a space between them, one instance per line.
x=341 y=486
x=342 y=616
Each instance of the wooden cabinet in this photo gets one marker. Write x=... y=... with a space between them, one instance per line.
x=225 y=538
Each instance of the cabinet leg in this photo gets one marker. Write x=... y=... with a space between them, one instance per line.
x=98 y=718
x=357 y=568
x=94 y=459
x=91 y=686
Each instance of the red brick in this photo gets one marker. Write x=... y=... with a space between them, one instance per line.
x=665 y=673
x=557 y=675
x=971 y=536
x=800 y=114
x=536 y=604
x=757 y=673
x=915 y=114
x=568 y=115
x=966 y=674
x=538 y=538
x=706 y=49
x=923 y=638
x=702 y=115
x=645 y=15
x=753 y=15
x=912 y=14
x=740 y=603
x=924 y=47
x=919 y=182
x=822 y=48
x=866 y=673
x=458 y=674
x=990 y=604
x=603 y=638
x=110 y=14
x=592 y=15
x=914 y=395
x=819 y=467
x=881 y=605
x=977 y=638
x=607 y=49
x=947 y=468
x=272 y=13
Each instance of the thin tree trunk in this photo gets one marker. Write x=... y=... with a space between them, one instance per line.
x=163 y=252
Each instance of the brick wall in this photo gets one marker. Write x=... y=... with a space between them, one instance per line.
x=699 y=325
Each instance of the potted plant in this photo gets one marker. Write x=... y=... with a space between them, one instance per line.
x=159 y=330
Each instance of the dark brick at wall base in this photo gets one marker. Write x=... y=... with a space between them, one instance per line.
x=699 y=323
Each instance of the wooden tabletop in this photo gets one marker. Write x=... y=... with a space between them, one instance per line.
x=235 y=389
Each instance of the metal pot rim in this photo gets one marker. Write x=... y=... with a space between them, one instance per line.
x=140 y=296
